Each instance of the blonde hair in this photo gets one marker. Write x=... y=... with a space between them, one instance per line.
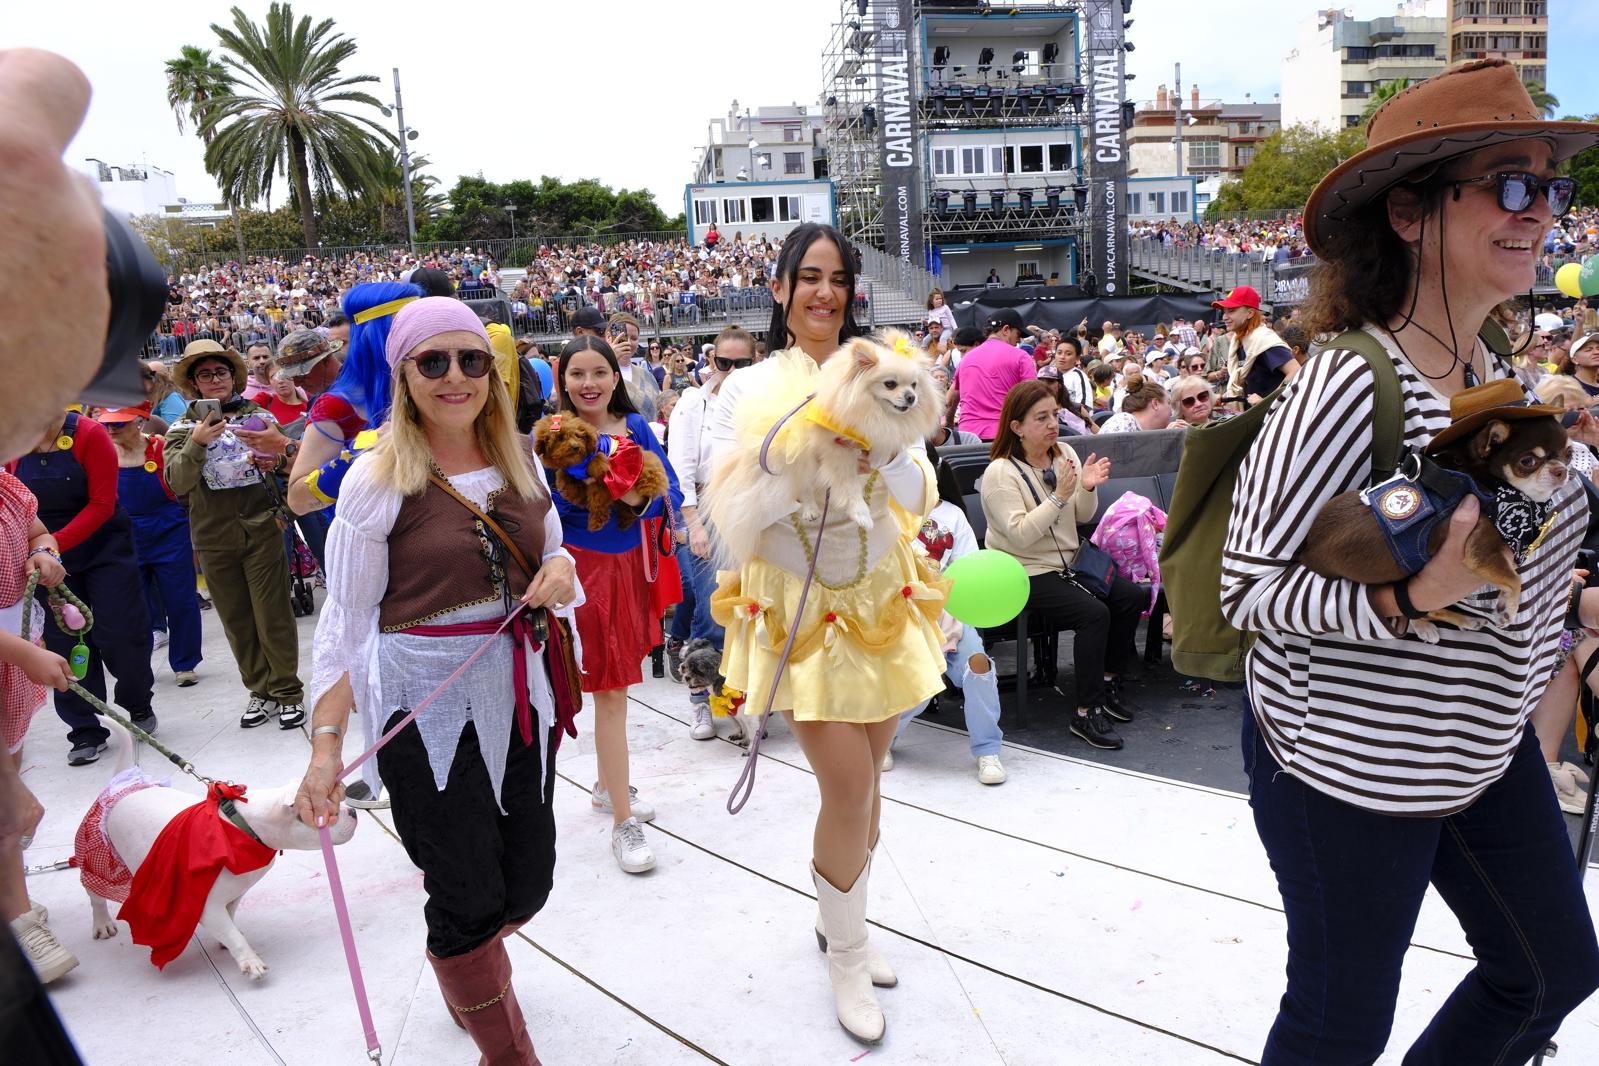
x=403 y=457
x=1563 y=390
x=1181 y=386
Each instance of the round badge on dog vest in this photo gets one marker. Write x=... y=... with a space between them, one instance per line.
x=1400 y=502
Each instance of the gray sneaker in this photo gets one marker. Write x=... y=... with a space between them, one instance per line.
x=674 y=659
x=631 y=850
x=600 y=801
x=259 y=710
x=84 y=754
x=359 y=796
x=290 y=715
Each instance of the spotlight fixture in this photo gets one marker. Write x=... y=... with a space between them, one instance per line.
x=1018 y=60
x=1026 y=198
x=1052 y=197
x=996 y=201
x=1127 y=7
x=832 y=101
x=868 y=119
x=985 y=61
x=969 y=200
x=1129 y=46
x=940 y=56
x=861 y=6
x=1047 y=60
x=1128 y=24
x=941 y=201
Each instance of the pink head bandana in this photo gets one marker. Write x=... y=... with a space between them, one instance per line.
x=428 y=317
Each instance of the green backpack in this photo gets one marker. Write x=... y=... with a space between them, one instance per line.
x=1204 y=644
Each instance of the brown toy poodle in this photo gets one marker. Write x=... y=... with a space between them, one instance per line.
x=564 y=440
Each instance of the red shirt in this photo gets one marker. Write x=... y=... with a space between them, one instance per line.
x=283 y=412
x=331 y=408
x=92 y=448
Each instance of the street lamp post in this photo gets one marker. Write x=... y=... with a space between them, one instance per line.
x=511 y=210
x=406 y=135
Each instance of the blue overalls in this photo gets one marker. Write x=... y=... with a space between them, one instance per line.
x=166 y=558
x=104 y=574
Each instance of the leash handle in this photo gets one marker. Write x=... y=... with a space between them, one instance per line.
x=744 y=787
x=341 y=910
x=357 y=762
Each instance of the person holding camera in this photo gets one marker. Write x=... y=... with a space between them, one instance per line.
x=235 y=515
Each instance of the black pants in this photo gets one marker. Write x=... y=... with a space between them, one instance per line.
x=1102 y=630
x=110 y=583
x=482 y=869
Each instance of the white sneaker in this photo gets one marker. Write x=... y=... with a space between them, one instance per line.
x=989 y=770
x=50 y=960
x=159 y=639
x=601 y=802
x=888 y=761
x=631 y=850
x=704 y=725
x=1573 y=800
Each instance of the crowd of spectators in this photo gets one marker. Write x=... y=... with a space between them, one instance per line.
x=1276 y=240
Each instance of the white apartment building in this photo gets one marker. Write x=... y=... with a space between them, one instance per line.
x=131 y=188
x=782 y=143
x=1339 y=61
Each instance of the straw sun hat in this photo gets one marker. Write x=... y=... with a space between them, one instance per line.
x=1466 y=108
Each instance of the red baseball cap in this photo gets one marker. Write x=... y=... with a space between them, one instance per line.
x=1243 y=296
x=114 y=415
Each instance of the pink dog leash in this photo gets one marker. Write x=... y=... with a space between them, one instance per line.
x=341 y=908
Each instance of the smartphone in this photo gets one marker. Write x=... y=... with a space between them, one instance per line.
x=209 y=410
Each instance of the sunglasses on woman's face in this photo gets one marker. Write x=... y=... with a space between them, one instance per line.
x=435 y=363
x=1197 y=398
x=725 y=365
x=1517 y=190
x=1196 y=366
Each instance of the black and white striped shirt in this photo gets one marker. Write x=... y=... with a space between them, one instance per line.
x=1386 y=723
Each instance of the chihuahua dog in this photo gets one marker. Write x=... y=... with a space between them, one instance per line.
x=1517 y=463
x=874 y=397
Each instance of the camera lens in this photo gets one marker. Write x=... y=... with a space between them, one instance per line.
x=138 y=294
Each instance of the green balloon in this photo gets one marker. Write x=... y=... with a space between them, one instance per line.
x=987 y=588
x=1588 y=280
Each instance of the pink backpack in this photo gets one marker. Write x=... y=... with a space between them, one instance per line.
x=1130 y=533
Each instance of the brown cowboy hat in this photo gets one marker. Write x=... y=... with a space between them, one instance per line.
x=183 y=372
x=1503 y=400
x=1466 y=108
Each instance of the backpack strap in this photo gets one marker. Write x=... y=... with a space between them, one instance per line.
x=1388 y=415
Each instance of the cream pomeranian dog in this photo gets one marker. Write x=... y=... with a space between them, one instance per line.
x=875 y=394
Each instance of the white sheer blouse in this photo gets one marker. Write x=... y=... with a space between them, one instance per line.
x=394 y=671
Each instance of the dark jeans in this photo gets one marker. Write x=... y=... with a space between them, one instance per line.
x=692 y=618
x=120 y=641
x=1352 y=883
x=482 y=870
x=1102 y=630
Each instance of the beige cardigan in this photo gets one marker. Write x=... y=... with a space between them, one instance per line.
x=1019 y=528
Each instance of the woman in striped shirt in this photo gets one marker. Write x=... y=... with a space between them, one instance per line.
x=1378 y=763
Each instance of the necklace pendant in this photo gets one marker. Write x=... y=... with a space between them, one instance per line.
x=1471 y=376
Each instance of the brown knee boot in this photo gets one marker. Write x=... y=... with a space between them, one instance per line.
x=477 y=988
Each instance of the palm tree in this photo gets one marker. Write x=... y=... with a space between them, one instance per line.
x=1381 y=95
x=281 y=120
x=194 y=79
x=388 y=190
x=1545 y=101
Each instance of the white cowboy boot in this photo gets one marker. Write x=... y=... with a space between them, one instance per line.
x=882 y=973
x=844 y=925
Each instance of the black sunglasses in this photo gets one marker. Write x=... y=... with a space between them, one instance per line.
x=435 y=363
x=1048 y=476
x=725 y=365
x=1517 y=190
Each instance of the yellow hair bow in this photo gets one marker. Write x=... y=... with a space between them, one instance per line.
x=904 y=347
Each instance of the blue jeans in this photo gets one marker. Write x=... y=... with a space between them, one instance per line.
x=692 y=619
x=981 y=692
x=1352 y=882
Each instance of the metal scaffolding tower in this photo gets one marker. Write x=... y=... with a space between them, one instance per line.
x=850 y=72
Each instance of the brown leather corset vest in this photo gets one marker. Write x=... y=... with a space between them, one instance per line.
x=439 y=558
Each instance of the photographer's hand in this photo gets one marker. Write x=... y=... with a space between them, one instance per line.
x=49 y=217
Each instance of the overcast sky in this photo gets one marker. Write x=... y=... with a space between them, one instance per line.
x=622 y=90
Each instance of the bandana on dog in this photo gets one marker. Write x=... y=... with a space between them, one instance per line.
x=172 y=884
x=1521 y=520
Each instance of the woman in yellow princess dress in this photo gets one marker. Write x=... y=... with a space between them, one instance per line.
x=867 y=646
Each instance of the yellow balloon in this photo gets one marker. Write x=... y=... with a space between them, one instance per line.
x=1566 y=280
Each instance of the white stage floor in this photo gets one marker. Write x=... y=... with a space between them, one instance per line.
x=1078 y=914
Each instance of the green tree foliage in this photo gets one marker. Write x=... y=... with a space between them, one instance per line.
x=1381 y=95
x=1545 y=101
x=1287 y=166
x=283 y=116
x=1584 y=166
x=550 y=208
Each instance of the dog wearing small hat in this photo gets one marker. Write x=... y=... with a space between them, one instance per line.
x=1510 y=453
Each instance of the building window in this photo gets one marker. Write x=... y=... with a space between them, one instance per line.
x=793 y=162
x=973 y=160
x=1179 y=203
x=788 y=208
x=996 y=159
x=1157 y=203
x=1028 y=268
x=760 y=209
x=1204 y=153
x=1032 y=158
x=733 y=211
x=1060 y=158
x=1009 y=154
x=1135 y=203
x=791 y=134
x=1245 y=155
x=705 y=212
x=943 y=161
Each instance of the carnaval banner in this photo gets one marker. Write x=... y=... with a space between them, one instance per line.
x=896 y=130
x=1105 y=74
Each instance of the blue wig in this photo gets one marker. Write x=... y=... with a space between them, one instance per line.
x=365 y=381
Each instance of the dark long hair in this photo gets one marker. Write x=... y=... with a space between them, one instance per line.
x=621 y=404
x=795 y=245
x=1018 y=401
x=1365 y=269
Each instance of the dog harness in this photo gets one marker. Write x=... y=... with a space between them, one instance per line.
x=627 y=462
x=1411 y=504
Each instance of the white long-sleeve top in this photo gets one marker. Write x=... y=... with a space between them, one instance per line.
x=394 y=671
x=688 y=444
x=908 y=480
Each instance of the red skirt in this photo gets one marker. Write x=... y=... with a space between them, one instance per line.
x=620 y=620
